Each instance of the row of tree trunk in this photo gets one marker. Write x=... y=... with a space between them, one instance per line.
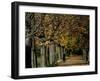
x=48 y=55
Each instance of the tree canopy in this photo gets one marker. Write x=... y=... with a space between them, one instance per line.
x=69 y=31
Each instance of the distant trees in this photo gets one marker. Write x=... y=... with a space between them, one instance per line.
x=48 y=31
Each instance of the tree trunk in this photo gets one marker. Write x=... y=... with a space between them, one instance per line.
x=51 y=50
x=84 y=54
x=43 y=56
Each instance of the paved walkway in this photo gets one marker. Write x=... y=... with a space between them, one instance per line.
x=72 y=60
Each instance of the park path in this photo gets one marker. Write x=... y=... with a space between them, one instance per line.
x=72 y=60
